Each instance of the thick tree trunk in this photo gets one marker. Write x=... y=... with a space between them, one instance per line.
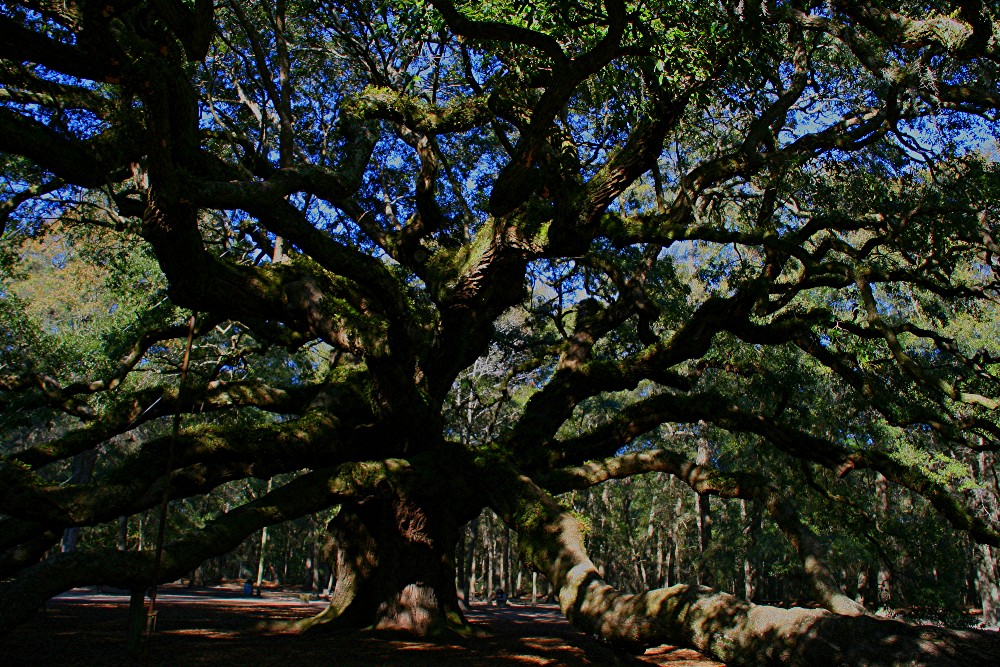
x=988 y=583
x=729 y=629
x=986 y=557
x=395 y=568
x=137 y=620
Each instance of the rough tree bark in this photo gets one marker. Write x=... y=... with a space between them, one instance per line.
x=987 y=559
x=395 y=568
x=988 y=583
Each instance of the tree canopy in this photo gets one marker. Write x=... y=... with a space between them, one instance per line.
x=419 y=258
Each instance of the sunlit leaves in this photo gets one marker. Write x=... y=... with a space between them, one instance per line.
x=86 y=295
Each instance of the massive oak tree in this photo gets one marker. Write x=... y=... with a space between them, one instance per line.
x=775 y=219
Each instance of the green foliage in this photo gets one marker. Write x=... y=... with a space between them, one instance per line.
x=82 y=295
x=539 y=234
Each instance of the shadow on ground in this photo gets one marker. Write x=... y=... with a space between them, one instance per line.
x=215 y=626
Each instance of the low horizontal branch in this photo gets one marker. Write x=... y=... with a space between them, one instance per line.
x=27 y=591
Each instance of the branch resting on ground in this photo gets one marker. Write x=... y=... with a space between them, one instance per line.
x=706 y=480
x=726 y=628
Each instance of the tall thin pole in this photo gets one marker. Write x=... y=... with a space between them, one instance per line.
x=165 y=501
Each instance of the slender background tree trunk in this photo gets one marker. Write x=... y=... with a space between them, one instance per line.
x=751 y=567
x=884 y=581
x=82 y=470
x=704 y=522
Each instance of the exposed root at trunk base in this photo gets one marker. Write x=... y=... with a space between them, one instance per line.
x=394 y=572
x=413 y=612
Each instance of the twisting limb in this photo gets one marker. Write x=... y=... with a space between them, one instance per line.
x=726 y=628
x=27 y=553
x=727 y=414
x=205 y=457
x=146 y=405
x=578 y=377
x=419 y=116
x=14 y=532
x=492 y=30
x=707 y=480
x=66 y=398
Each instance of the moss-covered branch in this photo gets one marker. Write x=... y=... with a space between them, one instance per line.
x=384 y=103
x=711 y=481
x=204 y=457
x=731 y=630
x=646 y=414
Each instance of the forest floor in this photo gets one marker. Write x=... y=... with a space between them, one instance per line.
x=214 y=626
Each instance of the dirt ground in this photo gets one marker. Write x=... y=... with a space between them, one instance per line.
x=218 y=626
